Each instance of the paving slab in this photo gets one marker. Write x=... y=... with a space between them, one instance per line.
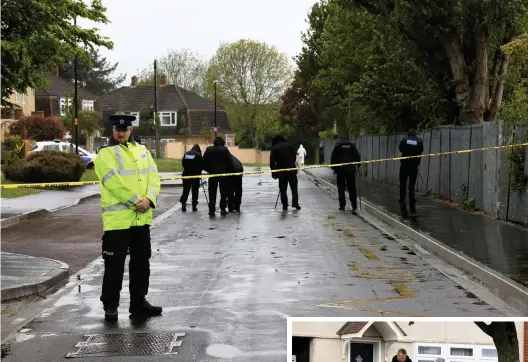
x=229 y=283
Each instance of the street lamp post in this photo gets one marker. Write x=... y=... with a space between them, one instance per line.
x=76 y=123
x=215 y=127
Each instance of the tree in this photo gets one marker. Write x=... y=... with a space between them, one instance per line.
x=37 y=128
x=90 y=122
x=38 y=34
x=504 y=336
x=465 y=36
x=205 y=130
x=182 y=67
x=184 y=130
x=252 y=78
x=96 y=75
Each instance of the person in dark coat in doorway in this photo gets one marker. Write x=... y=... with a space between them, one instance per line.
x=235 y=185
x=192 y=163
x=283 y=156
x=401 y=356
x=409 y=146
x=345 y=152
x=217 y=160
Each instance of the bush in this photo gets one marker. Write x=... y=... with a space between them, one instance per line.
x=38 y=128
x=12 y=148
x=46 y=166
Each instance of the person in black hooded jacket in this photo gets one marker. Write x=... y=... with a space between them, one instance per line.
x=192 y=163
x=217 y=160
x=401 y=356
x=409 y=146
x=346 y=152
x=235 y=185
x=283 y=156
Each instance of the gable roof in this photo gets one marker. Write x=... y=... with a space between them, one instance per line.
x=61 y=87
x=388 y=330
x=170 y=98
x=351 y=328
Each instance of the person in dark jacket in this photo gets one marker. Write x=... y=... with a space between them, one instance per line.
x=409 y=146
x=235 y=185
x=401 y=356
x=283 y=156
x=345 y=152
x=192 y=163
x=217 y=160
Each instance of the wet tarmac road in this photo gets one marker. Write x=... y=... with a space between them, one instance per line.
x=497 y=244
x=230 y=283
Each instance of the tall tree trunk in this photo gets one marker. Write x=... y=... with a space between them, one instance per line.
x=504 y=336
x=492 y=113
x=479 y=88
x=455 y=55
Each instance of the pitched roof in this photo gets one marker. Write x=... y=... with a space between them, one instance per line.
x=170 y=98
x=351 y=327
x=61 y=87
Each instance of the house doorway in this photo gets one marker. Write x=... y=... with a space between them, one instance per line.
x=361 y=352
x=301 y=349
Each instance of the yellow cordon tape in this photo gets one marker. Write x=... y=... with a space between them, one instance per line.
x=206 y=176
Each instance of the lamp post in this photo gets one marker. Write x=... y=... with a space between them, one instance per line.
x=215 y=127
x=76 y=123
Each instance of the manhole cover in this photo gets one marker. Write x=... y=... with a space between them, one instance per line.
x=130 y=344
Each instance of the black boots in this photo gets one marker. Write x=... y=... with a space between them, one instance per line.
x=111 y=314
x=296 y=207
x=184 y=207
x=223 y=212
x=143 y=309
x=342 y=208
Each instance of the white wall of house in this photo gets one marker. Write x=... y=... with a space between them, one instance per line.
x=425 y=341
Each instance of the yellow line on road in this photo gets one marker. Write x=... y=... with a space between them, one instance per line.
x=369 y=254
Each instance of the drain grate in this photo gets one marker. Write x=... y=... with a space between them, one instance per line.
x=129 y=344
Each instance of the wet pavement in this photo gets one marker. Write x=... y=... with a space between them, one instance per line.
x=228 y=284
x=497 y=244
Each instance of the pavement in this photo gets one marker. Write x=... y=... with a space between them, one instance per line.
x=228 y=284
x=497 y=244
x=53 y=200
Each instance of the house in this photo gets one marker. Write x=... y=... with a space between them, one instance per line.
x=26 y=106
x=378 y=341
x=174 y=103
x=59 y=94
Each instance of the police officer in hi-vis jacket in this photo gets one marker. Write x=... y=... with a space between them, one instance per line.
x=130 y=186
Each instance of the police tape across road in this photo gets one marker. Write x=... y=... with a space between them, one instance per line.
x=206 y=176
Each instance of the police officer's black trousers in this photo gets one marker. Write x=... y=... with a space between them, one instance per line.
x=410 y=173
x=115 y=245
x=286 y=178
x=189 y=184
x=235 y=192
x=347 y=179
x=224 y=192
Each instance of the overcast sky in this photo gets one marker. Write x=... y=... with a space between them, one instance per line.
x=144 y=29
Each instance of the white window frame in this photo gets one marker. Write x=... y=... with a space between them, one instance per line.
x=481 y=357
x=136 y=122
x=17 y=98
x=87 y=105
x=429 y=356
x=63 y=103
x=468 y=346
x=168 y=140
x=170 y=114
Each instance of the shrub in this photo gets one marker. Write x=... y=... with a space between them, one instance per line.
x=12 y=148
x=38 y=128
x=46 y=166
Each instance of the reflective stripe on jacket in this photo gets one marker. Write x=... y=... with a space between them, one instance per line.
x=126 y=173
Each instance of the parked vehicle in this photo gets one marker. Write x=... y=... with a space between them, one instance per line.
x=57 y=145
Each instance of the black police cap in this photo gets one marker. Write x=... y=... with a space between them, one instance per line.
x=122 y=121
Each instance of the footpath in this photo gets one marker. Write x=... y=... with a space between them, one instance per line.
x=228 y=284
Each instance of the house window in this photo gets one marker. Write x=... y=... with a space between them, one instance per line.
x=136 y=122
x=461 y=352
x=64 y=102
x=17 y=98
x=87 y=105
x=167 y=118
x=430 y=350
x=489 y=353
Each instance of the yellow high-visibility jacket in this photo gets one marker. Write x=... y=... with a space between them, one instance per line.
x=126 y=173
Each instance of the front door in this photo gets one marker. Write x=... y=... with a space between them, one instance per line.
x=361 y=352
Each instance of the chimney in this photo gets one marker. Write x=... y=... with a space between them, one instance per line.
x=163 y=80
x=134 y=81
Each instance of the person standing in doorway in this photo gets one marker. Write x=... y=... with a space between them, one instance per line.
x=192 y=163
x=409 y=146
x=235 y=185
x=401 y=356
x=283 y=156
x=302 y=153
x=217 y=160
x=130 y=186
x=346 y=152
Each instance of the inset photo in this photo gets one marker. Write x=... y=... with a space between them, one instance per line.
x=406 y=340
